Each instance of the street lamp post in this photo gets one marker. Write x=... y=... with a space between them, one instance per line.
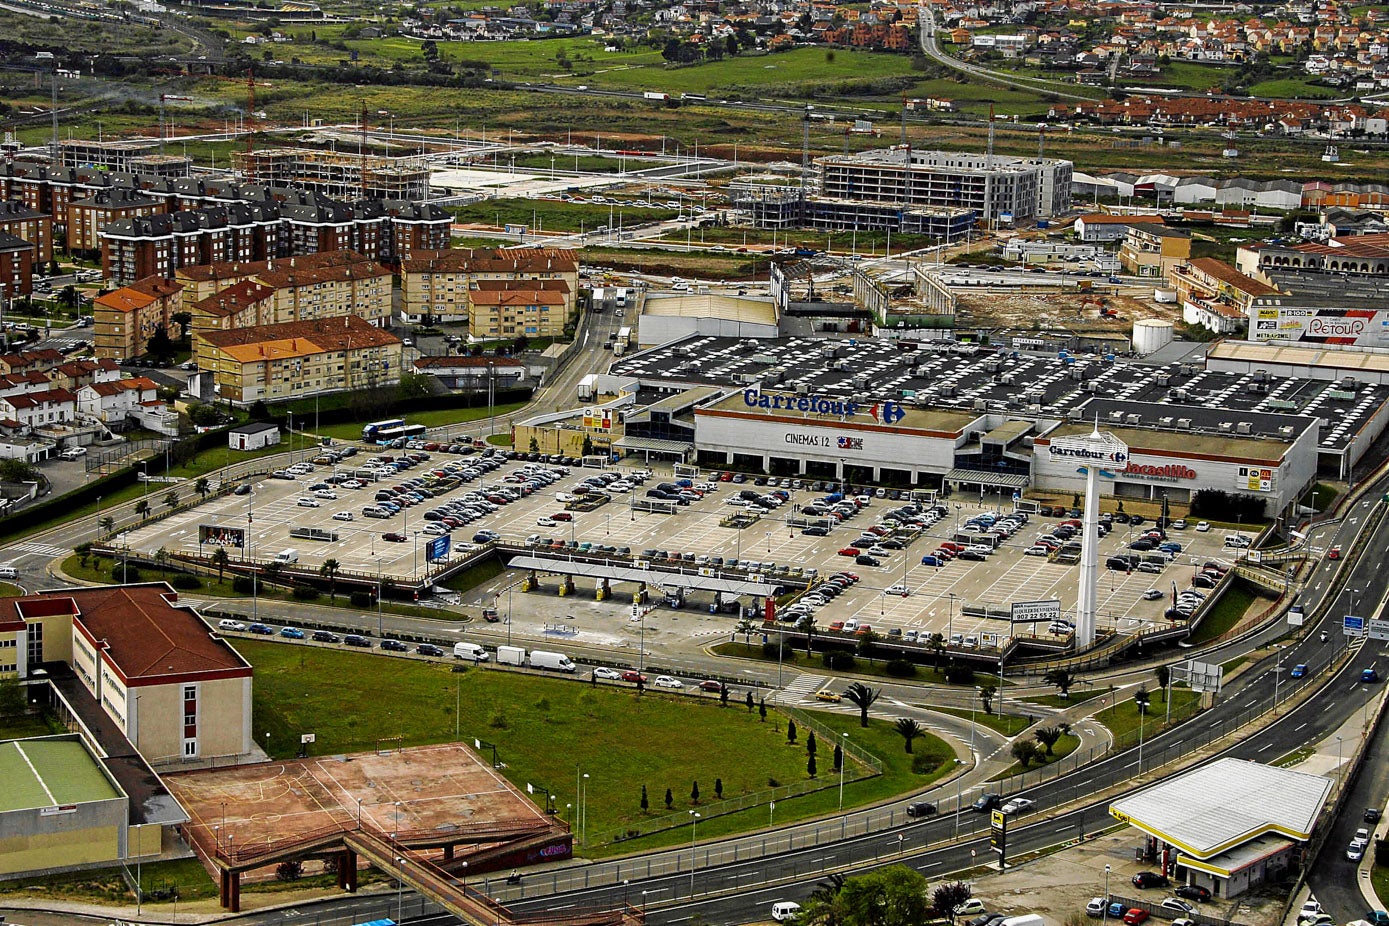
x=694 y=827
x=1104 y=914
x=400 y=889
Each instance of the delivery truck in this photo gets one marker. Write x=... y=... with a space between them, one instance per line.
x=511 y=656
x=544 y=660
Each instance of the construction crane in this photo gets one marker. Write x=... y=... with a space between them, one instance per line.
x=163 y=98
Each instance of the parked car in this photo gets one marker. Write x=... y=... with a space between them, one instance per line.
x=1193 y=892
x=605 y=672
x=292 y=633
x=1136 y=916
x=1095 y=907
x=710 y=684
x=394 y=646
x=325 y=636
x=632 y=675
x=1150 y=879
x=1177 y=904
x=665 y=681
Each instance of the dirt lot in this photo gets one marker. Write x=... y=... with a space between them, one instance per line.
x=1073 y=311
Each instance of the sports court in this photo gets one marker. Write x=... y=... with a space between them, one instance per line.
x=409 y=792
x=43 y=773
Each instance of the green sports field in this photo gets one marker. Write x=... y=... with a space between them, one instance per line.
x=48 y=773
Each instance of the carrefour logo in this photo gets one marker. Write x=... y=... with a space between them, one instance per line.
x=1084 y=453
x=814 y=404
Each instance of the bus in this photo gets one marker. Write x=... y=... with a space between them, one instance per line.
x=369 y=432
x=402 y=432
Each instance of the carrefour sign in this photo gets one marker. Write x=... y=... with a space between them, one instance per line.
x=1090 y=448
x=813 y=404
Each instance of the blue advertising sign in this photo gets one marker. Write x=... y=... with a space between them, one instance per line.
x=1353 y=624
x=438 y=548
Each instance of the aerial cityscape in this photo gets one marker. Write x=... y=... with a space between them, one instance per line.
x=621 y=462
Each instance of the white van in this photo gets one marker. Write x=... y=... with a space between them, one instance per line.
x=8 y=572
x=285 y=557
x=470 y=651
x=785 y=910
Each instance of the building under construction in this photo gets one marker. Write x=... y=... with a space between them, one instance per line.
x=138 y=156
x=786 y=208
x=337 y=174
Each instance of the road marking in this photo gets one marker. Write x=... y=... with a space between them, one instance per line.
x=1299 y=727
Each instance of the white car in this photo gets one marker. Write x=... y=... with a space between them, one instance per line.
x=227 y=624
x=898 y=589
x=1152 y=594
x=325 y=493
x=352 y=484
x=665 y=681
x=307 y=502
x=605 y=672
x=565 y=497
x=544 y=521
x=1203 y=526
x=1016 y=805
x=343 y=516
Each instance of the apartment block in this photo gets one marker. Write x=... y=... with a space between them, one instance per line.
x=290 y=293
x=31 y=225
x=1000 y=189
x=126 y=318
x=16 y=266
x=304 y=358
x=88 y=216
x=441 y=284
x=1154 y=250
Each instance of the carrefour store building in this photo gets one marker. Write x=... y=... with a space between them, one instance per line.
x=1273 y=457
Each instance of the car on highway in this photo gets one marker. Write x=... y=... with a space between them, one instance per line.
x=1150 y=879
x=986 y=803
x=1334 y=552
x=1017 y=805
x=605 y=672
x=1369 y=674
x=920 y=809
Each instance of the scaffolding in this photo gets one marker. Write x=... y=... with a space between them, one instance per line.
x=346 y=176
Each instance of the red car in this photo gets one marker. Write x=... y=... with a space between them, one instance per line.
x=863 y=629
x=562 y=516
x=850 y=551
x=1334 y=552
x=1135 y=916
x=711 y=685
x=394 y=538
x=632 y=675
x=836 y=625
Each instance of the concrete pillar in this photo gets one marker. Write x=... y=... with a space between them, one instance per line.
x=233 y=891
x=448 y=853
x=347 y=870
x=766 y=464
x=1088 y=599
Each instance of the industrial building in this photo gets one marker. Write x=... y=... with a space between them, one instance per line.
x=786 y=208
x=999 y=189
x=336 y=174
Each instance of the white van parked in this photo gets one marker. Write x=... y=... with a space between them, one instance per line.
x=470 y=651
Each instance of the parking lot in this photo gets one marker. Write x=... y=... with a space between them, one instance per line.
x=944 y=598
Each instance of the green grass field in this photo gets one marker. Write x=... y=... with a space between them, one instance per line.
x=545 y=729
x=1007 y=724
x=1226 y=613
x=352 y=430
x=1060 y=749
x=1122 y=719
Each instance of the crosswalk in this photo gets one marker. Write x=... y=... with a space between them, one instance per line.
x=804 y=685
x=40 y=549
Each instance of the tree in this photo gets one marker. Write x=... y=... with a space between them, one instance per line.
x=908 y=729
x=1141 y=698
x=184 y=320
x=893 y=896
x=329 y=569
x=12 y=705
x=749 y=701
x=806 y=625
x=810 y=745
x=202 y=487
x=838 y=757
x=867 y=645
x=107 y=524
x=1048 y=737
x=142 y=508
x=986 y=698
x=746 y=627
x=159 y=344
x=534 y=446
x=718 y=788
x=171 y=499
x=862 y=697
x=670 y=799
x=791 y=731
x=810 y=765
x=645 y=804
x=694 y=793
x=1025 y=751
x=587 y=448
x=936 y=643
x=18 y=471
x=1061 y=679
x=219 y=559
x=947 y=897
x=1164 y=678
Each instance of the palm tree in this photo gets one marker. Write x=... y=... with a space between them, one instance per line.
x=142 y=508
x=908 y=729
x=1062 y=679
x=986 y=698
x=936 y=643
x=1047 y=736
x=746 y=627
x=1141 y=698
x=270 y=571
x=330 y=569
x=202 y=486
x=862 y=697
x=171 y=499
x=867 y=645
x=1025 y=751
x=806 y=625
x=161 y=557
x=1164 y=677
x=219 y=559
x=107 y=524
